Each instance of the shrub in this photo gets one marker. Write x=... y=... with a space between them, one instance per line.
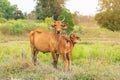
x=109 y=20
x=2 y=20
x=6 y=28
x=17 y=28
x=48 y=21
x=21 y=26
x=77 y=29
x=68 y=20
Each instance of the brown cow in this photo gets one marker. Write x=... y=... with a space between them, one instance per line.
x=46 y=41
x=65 y=47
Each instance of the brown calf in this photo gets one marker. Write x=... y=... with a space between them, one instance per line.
x=46 y=41
x=65 y=47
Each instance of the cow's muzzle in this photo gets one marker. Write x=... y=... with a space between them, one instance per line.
x=58 y=31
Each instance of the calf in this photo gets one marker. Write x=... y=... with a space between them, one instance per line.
x=65 y=47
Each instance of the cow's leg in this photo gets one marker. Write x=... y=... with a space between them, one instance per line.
x=35 y=52
x=54 y=59
x=57 y=56
x=65 y=61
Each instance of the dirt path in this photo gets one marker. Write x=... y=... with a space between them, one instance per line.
x=101 y=40
x=84 y=40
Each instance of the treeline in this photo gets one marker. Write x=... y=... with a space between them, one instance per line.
x=108 y=15
x=42 y=10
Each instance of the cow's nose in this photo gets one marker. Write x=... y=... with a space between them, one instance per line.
x=58 y=31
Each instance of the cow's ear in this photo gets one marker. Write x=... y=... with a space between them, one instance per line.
x=64 y=26
x=52 y=26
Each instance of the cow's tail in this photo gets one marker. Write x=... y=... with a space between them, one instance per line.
x=31 y=36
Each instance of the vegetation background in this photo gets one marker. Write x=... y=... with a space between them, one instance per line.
x=95 y=57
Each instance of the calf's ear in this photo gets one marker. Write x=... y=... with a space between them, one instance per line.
x=77 y=37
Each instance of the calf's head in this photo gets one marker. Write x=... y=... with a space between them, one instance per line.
x=74 y=38
x=58 y=26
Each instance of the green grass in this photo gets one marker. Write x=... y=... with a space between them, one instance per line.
x=95 y=57
x=89 y=62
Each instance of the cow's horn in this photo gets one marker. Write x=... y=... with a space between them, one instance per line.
x=53 y=18
x=63 y=19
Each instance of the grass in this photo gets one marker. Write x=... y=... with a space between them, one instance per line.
x=95 y=57
x=89 y=62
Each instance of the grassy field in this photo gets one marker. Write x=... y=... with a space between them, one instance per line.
x=95 y=57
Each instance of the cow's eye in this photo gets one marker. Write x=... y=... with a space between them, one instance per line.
x=62 y=25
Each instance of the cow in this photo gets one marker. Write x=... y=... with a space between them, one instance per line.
x=46 y=41
x=65 y=47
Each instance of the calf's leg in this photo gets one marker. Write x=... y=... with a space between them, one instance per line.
x=69 y=61
x=65 y=61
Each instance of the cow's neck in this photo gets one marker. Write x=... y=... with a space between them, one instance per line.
x=57 y=36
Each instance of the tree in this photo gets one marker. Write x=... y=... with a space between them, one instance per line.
x=18 y=15
x=109 y=14
x=68 y=19
x=6 y=9
x=48 y=8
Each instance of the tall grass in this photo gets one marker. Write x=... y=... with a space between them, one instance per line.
x=91 y=58
x=13 y=27
x=89 y=62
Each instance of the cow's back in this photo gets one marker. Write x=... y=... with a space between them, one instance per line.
x=40 y=39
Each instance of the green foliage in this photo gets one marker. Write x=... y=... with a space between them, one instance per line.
x=6 y=9
x=108 y=15
x=17 y=28
x=48 y=8
x=18 y=15
x=48 y=21
x=3 y=20
x=21 y=26
x=68 y=20
x=77 y=29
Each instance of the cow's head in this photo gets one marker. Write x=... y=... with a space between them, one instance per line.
x=58 y=26
x=74 y=38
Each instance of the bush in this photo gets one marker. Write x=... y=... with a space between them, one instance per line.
x=77 y=29
x=6 y=28
x=109 y=20
x=2 y=20
x=17 y=28
x=21 y=26
x=68 y=20
x=48 y=21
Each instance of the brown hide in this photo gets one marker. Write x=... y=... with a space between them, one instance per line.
x=46 y=41
x=65 y=47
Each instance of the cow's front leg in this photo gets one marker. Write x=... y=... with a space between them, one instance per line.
x=55 y=59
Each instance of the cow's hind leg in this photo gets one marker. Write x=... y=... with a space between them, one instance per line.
x=34 y=58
